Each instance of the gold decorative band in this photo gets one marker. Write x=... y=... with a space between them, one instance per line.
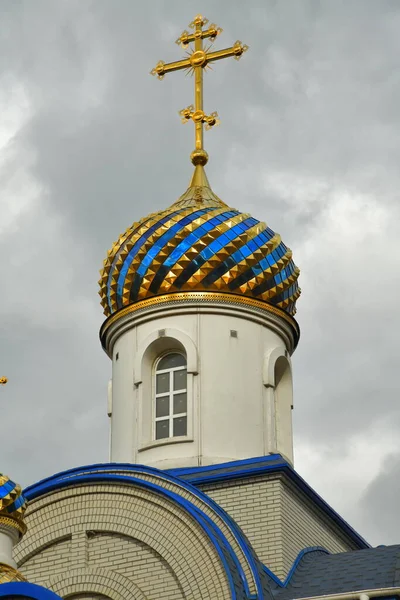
x=9 y=574
x=14 y=523
x=201 y=297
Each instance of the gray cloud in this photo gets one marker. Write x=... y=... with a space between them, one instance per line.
x=309 y=142
x=380 y=502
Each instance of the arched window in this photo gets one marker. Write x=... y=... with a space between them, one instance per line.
x=170 y=396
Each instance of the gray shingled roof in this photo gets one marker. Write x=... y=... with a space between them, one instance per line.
x=318 y=573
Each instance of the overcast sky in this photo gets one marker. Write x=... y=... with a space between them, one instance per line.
x=309 y=142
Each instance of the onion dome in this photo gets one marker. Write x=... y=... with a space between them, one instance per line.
x=199 y=244
x=12 y=504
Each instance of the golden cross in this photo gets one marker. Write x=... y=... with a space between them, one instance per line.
x=3 y=380
x=198 y=60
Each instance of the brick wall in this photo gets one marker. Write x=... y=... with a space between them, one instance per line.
x=55 y=557
x=117 y=541
x=136 y=561
x=112 y=541
x=277 y=519
x=305 y=525
x=88 y=597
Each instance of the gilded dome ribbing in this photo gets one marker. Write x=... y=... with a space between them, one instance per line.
x=12 y=504
x=199 y=244
x=9 y=575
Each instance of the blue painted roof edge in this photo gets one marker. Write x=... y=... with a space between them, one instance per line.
x=233 y=463
x=27 y=590
x=250 y=467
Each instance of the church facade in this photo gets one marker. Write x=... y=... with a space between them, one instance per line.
x=200 y=499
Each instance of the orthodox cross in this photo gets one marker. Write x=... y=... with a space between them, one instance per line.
x=199 y=59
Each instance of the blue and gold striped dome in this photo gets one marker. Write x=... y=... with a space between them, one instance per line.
x=12 y=504
x=199 y=244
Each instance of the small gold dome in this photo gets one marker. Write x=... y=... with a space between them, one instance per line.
x=12 y=504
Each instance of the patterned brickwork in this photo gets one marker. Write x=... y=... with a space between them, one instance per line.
x=115 y=540
x=199 y=502
x=57 y=555
x=277 y=519
x=255 y=506
x=88 y=597
x=107 y=540
x=135 y=561
x=304 y=527
x=96 y=582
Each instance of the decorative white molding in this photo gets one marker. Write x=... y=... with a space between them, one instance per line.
x=152 y=312
x=169 y=335
x=269 y=365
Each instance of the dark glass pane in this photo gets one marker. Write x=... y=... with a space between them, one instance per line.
x=162 y=406
x=180 y=380
x=162 y=429
x=180 y=426
x=170 y=361
x=179 y=403
x=162 y=383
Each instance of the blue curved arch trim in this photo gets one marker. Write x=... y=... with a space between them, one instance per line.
x=294 y=566
x=27 y=590
x=298 y=559
x=40 y=488
x=82 y=475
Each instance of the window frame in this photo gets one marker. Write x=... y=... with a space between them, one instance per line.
x=170 y=394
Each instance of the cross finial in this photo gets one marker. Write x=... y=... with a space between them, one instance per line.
x=199 y=59
x=3 y=380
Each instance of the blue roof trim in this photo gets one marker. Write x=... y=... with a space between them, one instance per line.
x=27 y=590
x=178 y=472
x=252 y=467
x=298 y=559
x=294 y=566
x=93 y=473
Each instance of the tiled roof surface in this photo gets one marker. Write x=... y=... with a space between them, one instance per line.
x=319 y=573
